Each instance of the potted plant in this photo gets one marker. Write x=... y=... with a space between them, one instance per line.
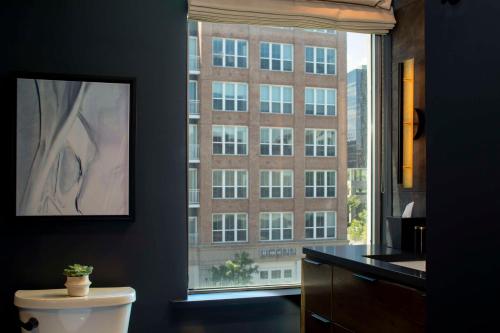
x=77 y=279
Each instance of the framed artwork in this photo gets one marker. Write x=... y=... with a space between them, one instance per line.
x=74 y=147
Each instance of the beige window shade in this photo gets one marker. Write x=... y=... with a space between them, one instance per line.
x=368 y=16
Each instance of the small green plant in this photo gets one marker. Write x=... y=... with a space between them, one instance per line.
x=78 y=270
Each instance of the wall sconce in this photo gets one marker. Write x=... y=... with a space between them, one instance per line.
x=411 y=122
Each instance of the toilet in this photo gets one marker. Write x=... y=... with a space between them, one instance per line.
x=104 y=310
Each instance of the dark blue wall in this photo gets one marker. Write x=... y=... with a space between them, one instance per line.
x=146 y=40
x=463 y=136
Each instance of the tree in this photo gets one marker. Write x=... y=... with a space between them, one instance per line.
x=356 y=229
x=237 y=271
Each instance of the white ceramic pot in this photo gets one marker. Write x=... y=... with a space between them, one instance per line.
x=78 y=286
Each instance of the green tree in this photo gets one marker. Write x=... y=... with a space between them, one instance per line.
x=237 y=271
x=356 y=230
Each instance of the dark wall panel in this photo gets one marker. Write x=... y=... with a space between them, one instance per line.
x=141 y=39
x=463 y=157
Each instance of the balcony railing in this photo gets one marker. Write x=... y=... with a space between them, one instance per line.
x=194 y=152
x=194 y=197
x=194 y=64
x=194 y=108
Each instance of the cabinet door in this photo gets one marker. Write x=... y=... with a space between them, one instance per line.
x=364 y=304
x=317 y=324
x=317 y=284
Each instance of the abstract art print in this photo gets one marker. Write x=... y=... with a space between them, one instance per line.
x=73 y=147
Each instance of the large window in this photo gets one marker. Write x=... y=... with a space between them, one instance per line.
x=321 y=225
x=279 y=136
x=232 y=227
x=276 y=99
x=321 y=60
x=276 y=141
x=321 y=101
x=229 y=96
x=321 y=184
x=276 y=56
x=321 y=142
x=229 y=140
x=276 y=184
x=229 y=184
x=276 y=226
x=228 y=52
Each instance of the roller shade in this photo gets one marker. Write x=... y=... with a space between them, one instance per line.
x=367 y=16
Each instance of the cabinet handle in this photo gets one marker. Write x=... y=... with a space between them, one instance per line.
x=312 y=262
x=364 y=278
x=321 y=319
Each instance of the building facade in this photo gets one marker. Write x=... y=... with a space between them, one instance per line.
x=267 y=147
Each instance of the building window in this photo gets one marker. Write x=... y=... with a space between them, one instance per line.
x=320 y=225
x=320 y=184
x=320 y=102
x=232 y=227
x=193 y=229
x=228 y=52
x=229 y=96
x=270 y=275
x=229 y=140
x=276 y=226
x=276 y=99
x=194 y=102
x=194 y=191
x=321 y=60
x=194 y=146
x=275 y=141
x=194 y=57
x=229 y=184
x=276 y=184
x=276 y=56
x=321 y=142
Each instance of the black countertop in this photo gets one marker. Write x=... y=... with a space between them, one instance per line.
x=353 y=258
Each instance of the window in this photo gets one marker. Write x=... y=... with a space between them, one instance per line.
x=276 y=57
x=270 y=275
x=320 y=184
x=320 y=142
x=193 y=229
x=276 y=184
x=193 y=98
x=320 y=225
x=229 y=184
x=229 y=140
x=276 y=99
x=321 y=102
x=276 y=141
x=231 y=227
x=276 y=226
x=228 y=52
x=194 y=191
x=229 y=96
x=321 y=60
x=194 y=147
x=194 y=57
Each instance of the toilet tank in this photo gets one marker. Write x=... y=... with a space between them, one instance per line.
x=104 y=310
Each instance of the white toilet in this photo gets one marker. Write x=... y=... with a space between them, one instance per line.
x=104 y=310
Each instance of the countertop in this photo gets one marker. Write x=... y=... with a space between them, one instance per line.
x=353 y=258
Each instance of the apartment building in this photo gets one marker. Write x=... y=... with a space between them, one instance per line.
x=267 y=147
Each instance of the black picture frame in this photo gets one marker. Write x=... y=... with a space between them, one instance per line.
x=130 y=217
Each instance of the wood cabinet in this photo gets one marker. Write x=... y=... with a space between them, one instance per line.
x=336 y=299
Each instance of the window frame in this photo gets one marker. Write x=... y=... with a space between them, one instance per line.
x=270 y=101
x=281 y=228
x=315 y=60
x=281 y=144
x=224 y=54
x=281 y=59
x=235 y=230
x=235 y=143
x=281 y=185
x=315 y=103
x=235 y=186
x=224 y=99
x=325 y=145
x=316 y=186
x=315 y=224
x=193 y=237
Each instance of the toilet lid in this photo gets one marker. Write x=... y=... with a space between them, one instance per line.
x=59 y=299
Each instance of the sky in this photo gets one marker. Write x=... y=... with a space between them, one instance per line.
x=358 y=50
